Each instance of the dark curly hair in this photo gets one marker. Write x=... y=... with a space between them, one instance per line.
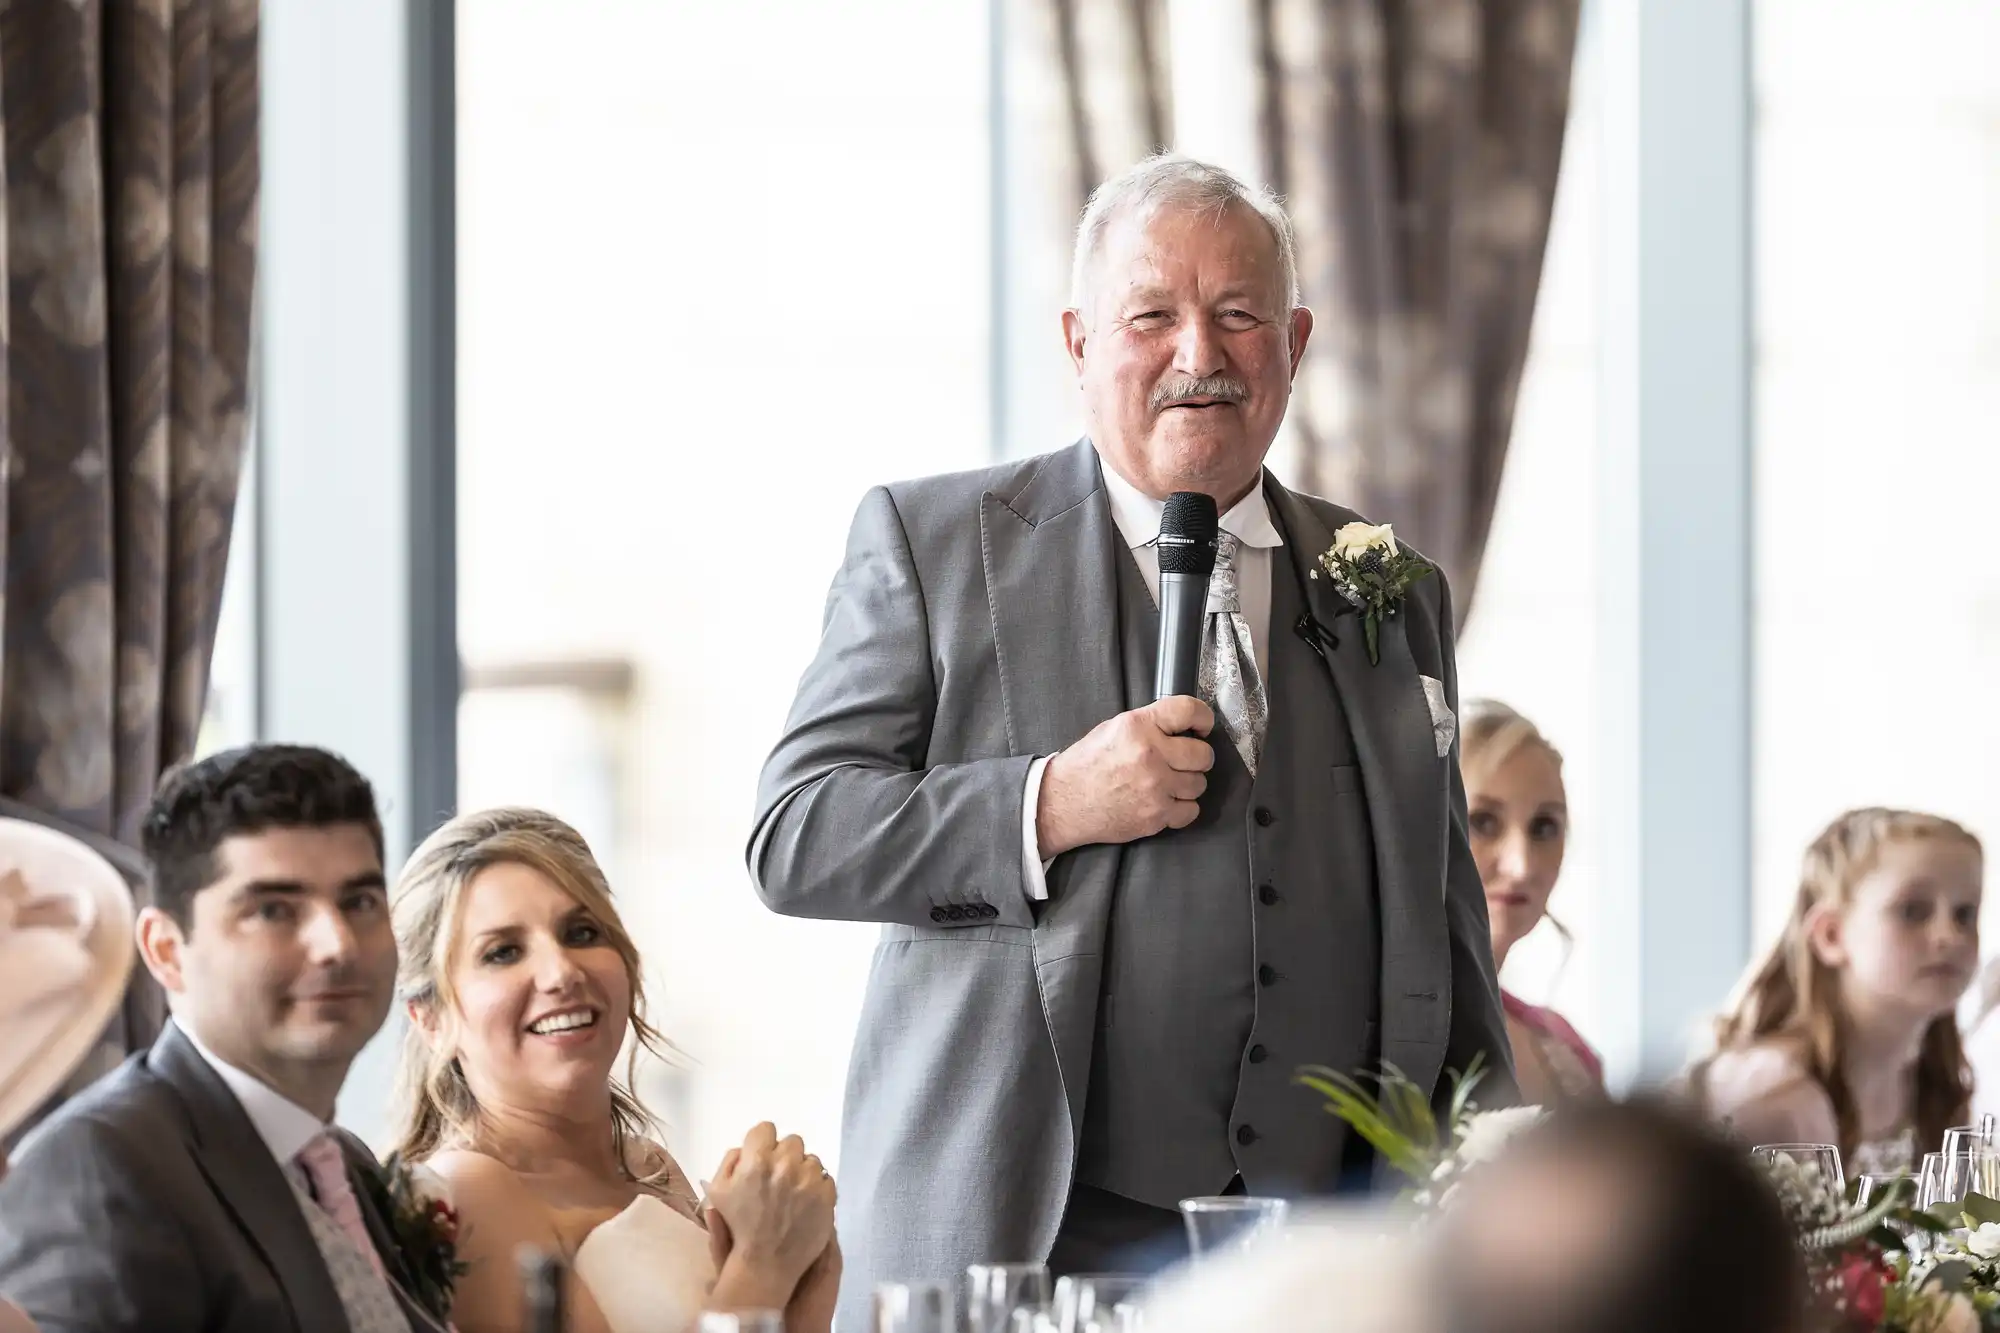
x=201 y=805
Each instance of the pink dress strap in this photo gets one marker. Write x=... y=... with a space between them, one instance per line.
x=1576 y=1067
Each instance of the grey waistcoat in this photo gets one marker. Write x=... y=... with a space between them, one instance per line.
x=1240 y=948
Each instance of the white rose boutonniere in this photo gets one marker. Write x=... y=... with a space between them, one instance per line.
x=1358 y=539
x=1373 y=571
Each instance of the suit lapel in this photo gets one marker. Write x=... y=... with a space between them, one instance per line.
x=364 y=1173
x=1386 y=711
x=251 y=1184
x=1052 y=591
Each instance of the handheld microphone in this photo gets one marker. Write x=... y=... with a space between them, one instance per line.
x=1188 y=528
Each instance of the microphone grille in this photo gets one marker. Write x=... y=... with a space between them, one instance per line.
x=1188 y=527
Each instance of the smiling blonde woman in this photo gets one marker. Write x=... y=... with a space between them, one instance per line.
x=522 y=986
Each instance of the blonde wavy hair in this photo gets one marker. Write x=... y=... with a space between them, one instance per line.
x=1490 y=734
x=435 y=1108
x=1791 y=993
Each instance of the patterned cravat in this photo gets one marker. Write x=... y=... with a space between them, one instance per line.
x=334 y=1216
x=1229 y=680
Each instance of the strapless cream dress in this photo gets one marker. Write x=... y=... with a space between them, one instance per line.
x=647 y=1268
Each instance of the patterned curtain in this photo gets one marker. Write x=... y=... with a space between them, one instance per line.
x=1417 y=143
x=1117 y=102
x=131 y=177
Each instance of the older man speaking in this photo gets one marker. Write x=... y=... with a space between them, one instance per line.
x=1109 y=941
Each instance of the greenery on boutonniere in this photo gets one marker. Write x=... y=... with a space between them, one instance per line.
x=413 y=1203
x=1372 y=570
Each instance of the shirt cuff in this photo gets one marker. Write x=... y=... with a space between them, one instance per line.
x=1034 y=870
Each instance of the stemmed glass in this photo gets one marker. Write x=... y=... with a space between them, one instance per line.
x=1821 y=1157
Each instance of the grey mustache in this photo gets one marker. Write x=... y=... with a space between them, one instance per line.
x=1220 y=387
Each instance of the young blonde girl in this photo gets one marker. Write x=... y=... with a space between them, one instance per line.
x=1845 y=1033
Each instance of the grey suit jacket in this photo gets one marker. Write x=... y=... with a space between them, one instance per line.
x=972 y=627
x=149 y=1203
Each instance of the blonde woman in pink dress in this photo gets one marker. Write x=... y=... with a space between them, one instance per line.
x=1518 y=815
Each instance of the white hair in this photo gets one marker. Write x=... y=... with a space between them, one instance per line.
x=1171 y=180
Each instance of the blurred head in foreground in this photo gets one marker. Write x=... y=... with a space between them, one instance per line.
x=1620 y=1219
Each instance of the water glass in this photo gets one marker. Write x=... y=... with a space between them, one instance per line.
x=1930 y=1181
x=996 y=1293
x=1872 y=1185
x=1960 y=1138
x=1119 y=1319
x=1821 y=1157
x=1972 y=1171
x=1083 y=1299
x=742 y=1321
x=915 y=1307
x=1229 y=1222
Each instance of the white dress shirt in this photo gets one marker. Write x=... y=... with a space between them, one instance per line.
x=1138 y=518
x=283 y=1125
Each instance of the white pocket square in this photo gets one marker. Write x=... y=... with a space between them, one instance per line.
x=1444 y=723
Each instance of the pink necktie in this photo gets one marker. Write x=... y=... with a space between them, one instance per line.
x=326 y=1168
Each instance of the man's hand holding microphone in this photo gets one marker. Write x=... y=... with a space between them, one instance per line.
x=1144 y=771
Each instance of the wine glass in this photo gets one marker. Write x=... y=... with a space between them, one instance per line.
x=915 y=1307
x=1086 y=1298
x=995 y=1293
x=1821 y=1157
x=1229 y=1222
x=742 y=1321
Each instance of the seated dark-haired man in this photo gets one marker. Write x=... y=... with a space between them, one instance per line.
x=201 y=1186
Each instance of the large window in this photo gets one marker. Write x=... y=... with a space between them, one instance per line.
x=1531 y=639
x=1878 y=419
x=721 y=268
x=229 y=715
